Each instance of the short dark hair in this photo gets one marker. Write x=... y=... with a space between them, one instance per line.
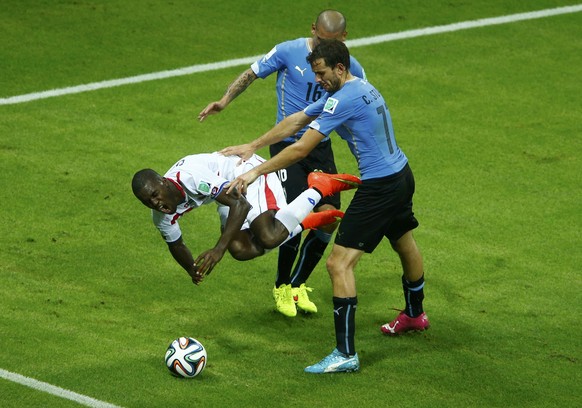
x=141 y=178
x=333 y=52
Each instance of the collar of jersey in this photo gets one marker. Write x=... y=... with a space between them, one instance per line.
x=177 y=184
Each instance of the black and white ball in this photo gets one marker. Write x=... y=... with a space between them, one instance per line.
x=186 y=357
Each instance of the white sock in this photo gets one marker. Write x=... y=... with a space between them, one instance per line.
x=292 y=215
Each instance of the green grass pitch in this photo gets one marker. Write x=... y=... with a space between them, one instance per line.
x=90 y=297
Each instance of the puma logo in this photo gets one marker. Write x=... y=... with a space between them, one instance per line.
x=391 y=328
x=336 y=311
x=300 y=70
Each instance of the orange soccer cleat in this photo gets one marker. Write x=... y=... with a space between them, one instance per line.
x=315 y=220
x=329 y=184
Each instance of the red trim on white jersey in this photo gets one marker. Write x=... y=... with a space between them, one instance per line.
x=181 y=189
x=178 y=215
x=177 y=184
x=270 y=197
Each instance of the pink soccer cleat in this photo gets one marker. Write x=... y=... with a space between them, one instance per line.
x=404 y=323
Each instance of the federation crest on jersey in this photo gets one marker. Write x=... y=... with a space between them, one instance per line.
x=330 y=105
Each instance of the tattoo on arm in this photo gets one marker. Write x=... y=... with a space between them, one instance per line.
x=240 y=84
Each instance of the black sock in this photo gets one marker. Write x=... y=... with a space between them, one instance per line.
x=287 y=254
x=344 y=314
x=413 y=296
x=309 y=256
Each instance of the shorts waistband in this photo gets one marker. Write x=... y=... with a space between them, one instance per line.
x=286 y=142
x=380 y=180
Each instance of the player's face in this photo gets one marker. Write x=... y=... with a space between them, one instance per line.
x=327 y=77
x=158 y=197
x=318 y=34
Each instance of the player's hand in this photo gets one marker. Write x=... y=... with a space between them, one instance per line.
x=244 y=151
x=212 y=109
x=241 y=183
x=197 y=276
x=207 y=260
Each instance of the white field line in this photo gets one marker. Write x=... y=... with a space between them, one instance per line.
x=249 y=60
x=51 y=389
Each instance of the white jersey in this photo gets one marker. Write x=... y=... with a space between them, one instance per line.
x=202 y=177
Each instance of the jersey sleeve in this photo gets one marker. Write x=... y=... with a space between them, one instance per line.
x=201 y=185
x=333 y=114
x=316 y=107
x=168 y=225
x=269 y=63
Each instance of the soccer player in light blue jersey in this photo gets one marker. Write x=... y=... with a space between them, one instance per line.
x=381 y=207
x=296 y=88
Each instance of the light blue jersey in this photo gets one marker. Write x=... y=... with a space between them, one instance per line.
x=359 y=114
x=296 y=86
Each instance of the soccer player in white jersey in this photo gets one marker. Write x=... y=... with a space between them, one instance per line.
x=381 y=207
x=250 y=224
x=296 y=88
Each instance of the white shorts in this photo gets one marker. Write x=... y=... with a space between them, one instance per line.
x=265 y=193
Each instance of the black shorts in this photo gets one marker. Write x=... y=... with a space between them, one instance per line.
x=294 y=177
x=380 y=208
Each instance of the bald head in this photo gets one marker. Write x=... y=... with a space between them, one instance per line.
x=331 y=21
x=330 y=25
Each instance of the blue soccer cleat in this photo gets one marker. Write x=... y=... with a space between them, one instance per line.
x=336 y=362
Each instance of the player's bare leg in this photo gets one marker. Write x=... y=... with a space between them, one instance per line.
x=269 y=232
x=244 y=246
x=410 y=257
x=340 y=265
x=412 y=318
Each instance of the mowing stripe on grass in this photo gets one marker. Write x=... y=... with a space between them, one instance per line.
x=249 y=60
x=51 y=389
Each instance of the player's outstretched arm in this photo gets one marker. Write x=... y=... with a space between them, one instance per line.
x=291 y=154
x=242 y=182
x=244 y=151
x=184 y=257
x=287 y=127
x=239 y=208
x=239 y=85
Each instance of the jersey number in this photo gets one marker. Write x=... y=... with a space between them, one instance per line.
x=282 y=174
x=382 y=111
x=313 y=97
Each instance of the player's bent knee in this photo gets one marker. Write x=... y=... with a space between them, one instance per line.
x=331 y=265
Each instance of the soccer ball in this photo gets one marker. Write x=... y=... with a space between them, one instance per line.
x=186 y=357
